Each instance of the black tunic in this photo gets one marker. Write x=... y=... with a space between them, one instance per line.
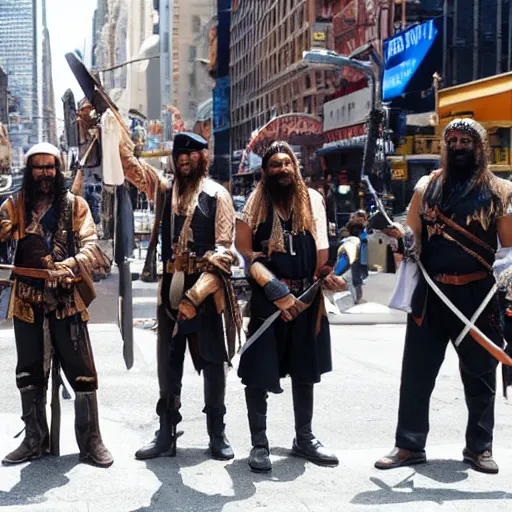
x=293 y=348
x=207 y=324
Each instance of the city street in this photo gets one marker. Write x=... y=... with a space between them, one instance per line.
x=355 y=415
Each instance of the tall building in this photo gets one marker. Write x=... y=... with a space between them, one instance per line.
x=18 y=58
x=191 y=81
x=479 y=40
x=268 y=76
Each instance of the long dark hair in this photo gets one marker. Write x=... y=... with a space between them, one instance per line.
x=29 y=187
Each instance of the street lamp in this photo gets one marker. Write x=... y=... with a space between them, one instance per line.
x=335 y=60
x=332 y=59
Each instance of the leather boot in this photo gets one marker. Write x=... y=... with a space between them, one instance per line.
x=219 y=446
x=305 y=444
x=259 y=458
x=87 y=431
x=37 y=439
x=164 y=443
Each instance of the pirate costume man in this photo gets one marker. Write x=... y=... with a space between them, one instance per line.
x=458 y=218
x=54 y=230
x=282 y=235
x=195 y=291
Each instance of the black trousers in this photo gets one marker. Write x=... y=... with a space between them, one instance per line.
x=71 y=342
x=171 y=359
x=424 y=352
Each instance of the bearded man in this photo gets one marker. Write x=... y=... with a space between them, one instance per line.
x=54 y=230
x=282 y=235
x=455 y=219
x=197 y=234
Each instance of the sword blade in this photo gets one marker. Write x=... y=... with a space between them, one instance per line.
x=306 y=297
x=474 y=331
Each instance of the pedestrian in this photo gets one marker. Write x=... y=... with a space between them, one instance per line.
x=355 y=227
x=197 y=234
x=455 y=218
x=363 y=236
x=54 y=229
x=282 y=236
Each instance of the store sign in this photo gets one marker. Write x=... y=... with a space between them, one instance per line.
x=347 y=110
x=319 y=37
x=221 y=112
x=296 y=129
x=347 y=132
x=411 y=58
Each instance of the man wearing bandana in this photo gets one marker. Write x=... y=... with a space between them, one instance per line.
x=197 y=226
x=282 y=236
x=54 y=230
x=460 y=226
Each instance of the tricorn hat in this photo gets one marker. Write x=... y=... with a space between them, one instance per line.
x=188 y=142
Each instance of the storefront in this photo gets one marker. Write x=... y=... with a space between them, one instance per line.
x=488 y=101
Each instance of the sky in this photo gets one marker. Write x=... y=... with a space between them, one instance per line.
x=70 y=24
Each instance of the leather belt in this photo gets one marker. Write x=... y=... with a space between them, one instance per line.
x=459 y=280
x=296 y=285
x=189 y=266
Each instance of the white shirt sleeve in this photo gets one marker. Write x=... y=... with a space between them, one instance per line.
x=111 y=165
x=320 y=219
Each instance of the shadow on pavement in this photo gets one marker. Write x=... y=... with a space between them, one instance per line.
x=442 y=471
x=174 y=495
x=37 y=478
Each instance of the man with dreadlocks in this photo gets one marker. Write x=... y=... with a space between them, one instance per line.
x=282 y=235
x=456 y=217
x=197 y=234
x=54 y=230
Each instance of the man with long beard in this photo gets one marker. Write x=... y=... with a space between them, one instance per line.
x=197 y=234
x=455 y=219
x=54 y=230
x=282 y=236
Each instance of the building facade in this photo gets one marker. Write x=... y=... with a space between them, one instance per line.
x=18 y=58
x=268 y=76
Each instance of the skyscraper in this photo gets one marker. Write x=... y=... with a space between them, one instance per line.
x=18 y=58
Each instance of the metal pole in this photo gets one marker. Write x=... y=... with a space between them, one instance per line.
x=445 y=38
x=166 y=54
x=475 y=38
x=499 y=10
x=454 y=39
x=404 y=15
x=509 y=37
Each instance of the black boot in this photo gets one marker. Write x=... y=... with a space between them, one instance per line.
x=87 y=431
x=305 y=444
x=219 y=446
x=259 y=458
x=215 y=409
x=164 y=443
x=37 y=439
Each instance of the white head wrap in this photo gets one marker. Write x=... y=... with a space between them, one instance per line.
x=43 y=148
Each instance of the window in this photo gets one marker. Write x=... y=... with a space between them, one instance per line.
x=196 y=24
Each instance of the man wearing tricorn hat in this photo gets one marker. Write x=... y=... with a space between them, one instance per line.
x=456 y=217
x=197 y=234
x=55 y=233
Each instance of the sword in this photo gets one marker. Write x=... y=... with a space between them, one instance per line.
x=309 y=293
x=347 y=255
x=473 y=330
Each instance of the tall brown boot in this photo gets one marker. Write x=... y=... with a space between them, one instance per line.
x=37 y=439
x=87 y=430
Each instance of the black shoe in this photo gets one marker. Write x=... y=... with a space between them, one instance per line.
x=482 y=462
x=163 y=445
x=314 y=451
x=220 y=449
x=259 y=459
x=399 y=457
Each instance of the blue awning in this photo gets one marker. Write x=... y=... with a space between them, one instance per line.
x=342 y=145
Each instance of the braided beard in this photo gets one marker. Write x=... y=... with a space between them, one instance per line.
x=187 y=188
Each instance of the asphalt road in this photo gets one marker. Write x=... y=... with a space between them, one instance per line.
x=355 y=415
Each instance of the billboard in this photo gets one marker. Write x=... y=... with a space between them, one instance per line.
x=410 y=60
